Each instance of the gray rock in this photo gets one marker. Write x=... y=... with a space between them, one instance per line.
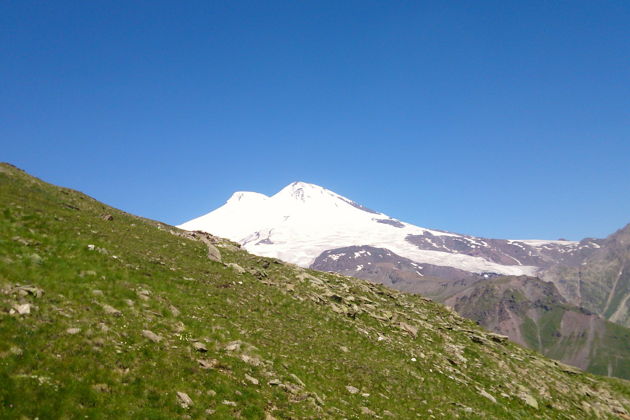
x=252 y=379
x=529 y=400
x=499 y=338
x=23 y=309
x=297 y=380
x=100 y=387
x=207 y=363
x=151 y=336
x=200 y=347
x=184 y=400
x=237 y=268
x=29 y=290
x=352 y=389
x=409 y=328
x=73 y=331
x=484 y=394
x=213 y=253
x=110 y=310
x=367 y=412
x=234 y=346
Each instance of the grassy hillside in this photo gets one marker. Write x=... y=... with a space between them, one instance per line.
x=107 y=315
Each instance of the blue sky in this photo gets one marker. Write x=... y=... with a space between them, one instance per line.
x=494 y=118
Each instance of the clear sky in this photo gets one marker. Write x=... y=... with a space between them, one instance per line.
x=493 y=118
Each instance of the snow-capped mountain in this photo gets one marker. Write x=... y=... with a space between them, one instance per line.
x=303 y=221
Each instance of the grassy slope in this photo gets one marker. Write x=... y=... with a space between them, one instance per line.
x=314 y=333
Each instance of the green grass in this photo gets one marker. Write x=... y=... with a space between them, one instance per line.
x=315 y=333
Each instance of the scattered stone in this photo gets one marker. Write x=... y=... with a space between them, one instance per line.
x=73 y=331
x=100 y=387
x=184 y=400
x=367 y=412
x=274 y=382
x=207 y=363
x=529 y=400
x=200 y=347
x=143 y=294
x=211 y=393
x=297 y=380
x=85 y=273
x=213 y=253
x=91 y=247
x=210 y=411
x=409 y=328
x=151 y=336
x=230 y=403
x=110 y=310
x=497 y=337
x=254 y=361
x=23 y=309
x=344 y=349
x=352 y=389
x=129 y=302
x=174 y=311
x=484 y=394
x=29 y=290
x=97 y=292
x=234 y=346
x=237 y=268
x=108 y=217
x=252 y=379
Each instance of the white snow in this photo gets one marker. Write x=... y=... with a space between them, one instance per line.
x=303 y=220
x=543 y=242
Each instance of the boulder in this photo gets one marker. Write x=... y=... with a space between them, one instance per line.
x=23 y=309
x=352 y=390
x=200 y=347
x=213 y=253
x=184 y=400
x=151 y=336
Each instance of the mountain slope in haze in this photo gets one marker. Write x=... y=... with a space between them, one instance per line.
x=108 y=315
x=601 y=281
x=533 y=313
x=303 y=220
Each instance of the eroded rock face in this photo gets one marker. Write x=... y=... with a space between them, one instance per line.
x=534 y=314
x=601 y=282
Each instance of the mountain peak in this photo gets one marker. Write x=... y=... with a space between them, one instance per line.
x=303 y=191
x=241 y=196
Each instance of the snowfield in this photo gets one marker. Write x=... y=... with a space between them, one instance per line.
x=303 y=220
